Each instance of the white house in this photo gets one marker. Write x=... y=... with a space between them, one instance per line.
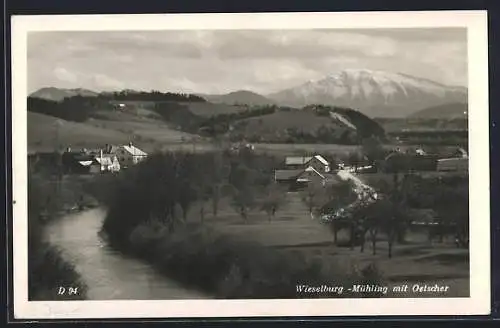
x=310 y=174
x=103 y=163
x=460 y=153
x=420 y=151
x=129 y=155
x=318 y=162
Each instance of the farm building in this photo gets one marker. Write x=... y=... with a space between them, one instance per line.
x=401 y=162
x=460 y=153
x=77 y=162
x=460 y=164
x=105 y=163
x=84 y=161
x=318 y=162
x=310 y=174
x=300 y=178
x=127 y=155
x=286 y=176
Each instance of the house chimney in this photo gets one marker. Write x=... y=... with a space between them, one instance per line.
x=68 y=150
x=130 y=144
x=100 y=153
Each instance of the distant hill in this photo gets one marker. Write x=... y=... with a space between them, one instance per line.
x=44 y=132
x=240 y=97
x=308 y=125
x=374 y=93
x=446 y=111
x=58 y=94
x=173 y=117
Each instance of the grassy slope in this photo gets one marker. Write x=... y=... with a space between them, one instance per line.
x=197 y=108
x=293 y=230
x=271 y=124
x=446 y=111
x=42 y=133
x=113 y=128
x=209 y=109
x=239 y=97
x=396 y=125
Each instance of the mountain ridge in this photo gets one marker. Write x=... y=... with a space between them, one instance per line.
x=375 y=93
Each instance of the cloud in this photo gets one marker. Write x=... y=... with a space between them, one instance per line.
x=64 y=75
x=264 y=61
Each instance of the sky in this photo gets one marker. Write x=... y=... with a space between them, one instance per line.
x=218 y=61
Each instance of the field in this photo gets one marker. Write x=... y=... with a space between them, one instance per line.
x=392 y=125
x=150 y=134
x=293 y=230
x=268 y=126
x=147 y=133
x=372 y=178
x=197 y=108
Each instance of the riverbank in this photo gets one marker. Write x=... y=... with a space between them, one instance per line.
x=108 y=273
x=50 y=274
x=233 y=268
x=157 y=214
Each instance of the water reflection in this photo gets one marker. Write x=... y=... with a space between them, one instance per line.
x=107 y=273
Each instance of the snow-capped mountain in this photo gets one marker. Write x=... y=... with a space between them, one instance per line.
x=375 y=93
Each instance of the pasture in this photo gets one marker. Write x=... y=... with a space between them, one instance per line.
x=113 y=128
x=293 y=230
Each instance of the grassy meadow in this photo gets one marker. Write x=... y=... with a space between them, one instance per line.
x=293 y=231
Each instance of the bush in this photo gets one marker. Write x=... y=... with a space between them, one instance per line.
x=47 y=269
x=143 y=221
x=228 y=268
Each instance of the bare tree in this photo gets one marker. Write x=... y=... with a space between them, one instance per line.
x=313 y=196
x=274 y=199
x=243 y=201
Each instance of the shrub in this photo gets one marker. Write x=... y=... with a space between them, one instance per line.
x=229 y=268
x=47 y=268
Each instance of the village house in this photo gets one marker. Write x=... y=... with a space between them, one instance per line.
x=300 y=171
x=128 y=155
x=104 y=163
x=88 y=161
x=318 y=162
x=460 y=153
x=77 y=162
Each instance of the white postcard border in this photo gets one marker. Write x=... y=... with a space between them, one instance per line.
x=477 y=303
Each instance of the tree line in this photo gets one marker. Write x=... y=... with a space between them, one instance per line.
x=393 y=214
x=365 y=126
x=166 y=186
x=153 y=95
x=149 y=208
x=80 y=108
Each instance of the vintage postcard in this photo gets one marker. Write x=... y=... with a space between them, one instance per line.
x=250 y=165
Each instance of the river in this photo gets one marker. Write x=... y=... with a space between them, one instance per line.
x=109 y=275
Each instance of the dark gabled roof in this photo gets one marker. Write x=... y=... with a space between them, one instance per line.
x=287 y=174
x=297 y=160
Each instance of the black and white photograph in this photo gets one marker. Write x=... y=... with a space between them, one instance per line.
x=252 y=160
